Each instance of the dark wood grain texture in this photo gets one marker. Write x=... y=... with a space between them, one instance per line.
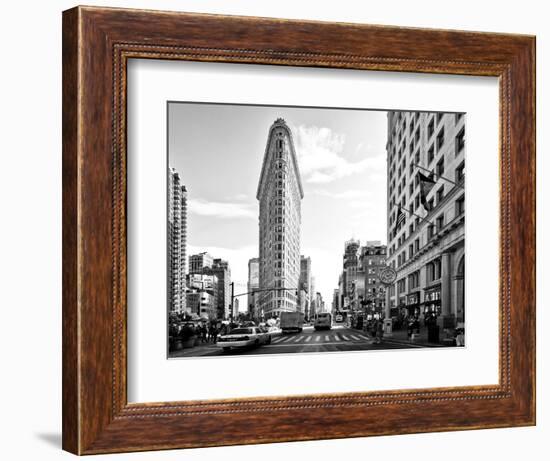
x=97 y=42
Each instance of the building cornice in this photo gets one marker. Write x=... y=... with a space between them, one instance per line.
x=279 y=123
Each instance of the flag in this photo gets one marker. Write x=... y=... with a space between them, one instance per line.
x=399 y=220
x=426 y=185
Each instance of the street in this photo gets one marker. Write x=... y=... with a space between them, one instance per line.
x=339 y=339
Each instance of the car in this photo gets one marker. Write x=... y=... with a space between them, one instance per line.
x=244 y=337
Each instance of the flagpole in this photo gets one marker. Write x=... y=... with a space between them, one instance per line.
x=438 y=175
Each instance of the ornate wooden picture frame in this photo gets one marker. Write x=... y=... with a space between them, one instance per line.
x=97 y=44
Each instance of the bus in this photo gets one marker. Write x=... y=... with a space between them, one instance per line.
x=323 y=321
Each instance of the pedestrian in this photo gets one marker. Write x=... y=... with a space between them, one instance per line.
x=410 y=327
x=379 y=332
x=204 y=333
x=214 y=333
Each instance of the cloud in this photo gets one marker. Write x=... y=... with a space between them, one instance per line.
x=222 y=209
x=348 y=194
x=320 y=156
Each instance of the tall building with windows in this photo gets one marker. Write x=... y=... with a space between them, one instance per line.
x=349 y=273
x=204 y=263
x=305 y=285
x=177 y=242
x=370 y=291
x=252 y=285
x=220 y=268
x=359 y=288
x=200 y=261
x=312 y=300
x=279 y=194
x=425 y=198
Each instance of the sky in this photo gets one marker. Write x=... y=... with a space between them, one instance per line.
x=218 y=151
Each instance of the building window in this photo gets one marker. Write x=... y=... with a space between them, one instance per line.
x=433 y=270
x=459 y=206
x=440 y=138
x=459 y=142
x=430 y=154
x=414 y=280
x=440 y=222
x=440 y=194
x=431 y=128
x=416 y=245
x=401 y=286
x=459 y=173
x=431 y=231
x=441 y=167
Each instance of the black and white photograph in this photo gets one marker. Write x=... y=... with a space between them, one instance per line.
x=313 y=229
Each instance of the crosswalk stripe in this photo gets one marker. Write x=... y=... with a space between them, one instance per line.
x=345 y=337
x=355 y=337
x=337 y=338
x=298 y=339
x=317 y=338
x=278 y=340
x=308 y=338
x=326 y=338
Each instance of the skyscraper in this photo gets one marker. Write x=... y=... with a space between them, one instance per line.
x=204 y=263
x=426 y=214
x=304 y=289
x=220 y=268
x=359 y=288
x=177 y=242
x=349 y=274
x=252 y=285
x=279 y=194
x=198 y=262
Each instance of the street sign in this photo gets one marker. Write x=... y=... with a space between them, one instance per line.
x=387 y=275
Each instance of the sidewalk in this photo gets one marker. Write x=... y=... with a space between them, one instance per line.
x=420 y=340
x=196 y=351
